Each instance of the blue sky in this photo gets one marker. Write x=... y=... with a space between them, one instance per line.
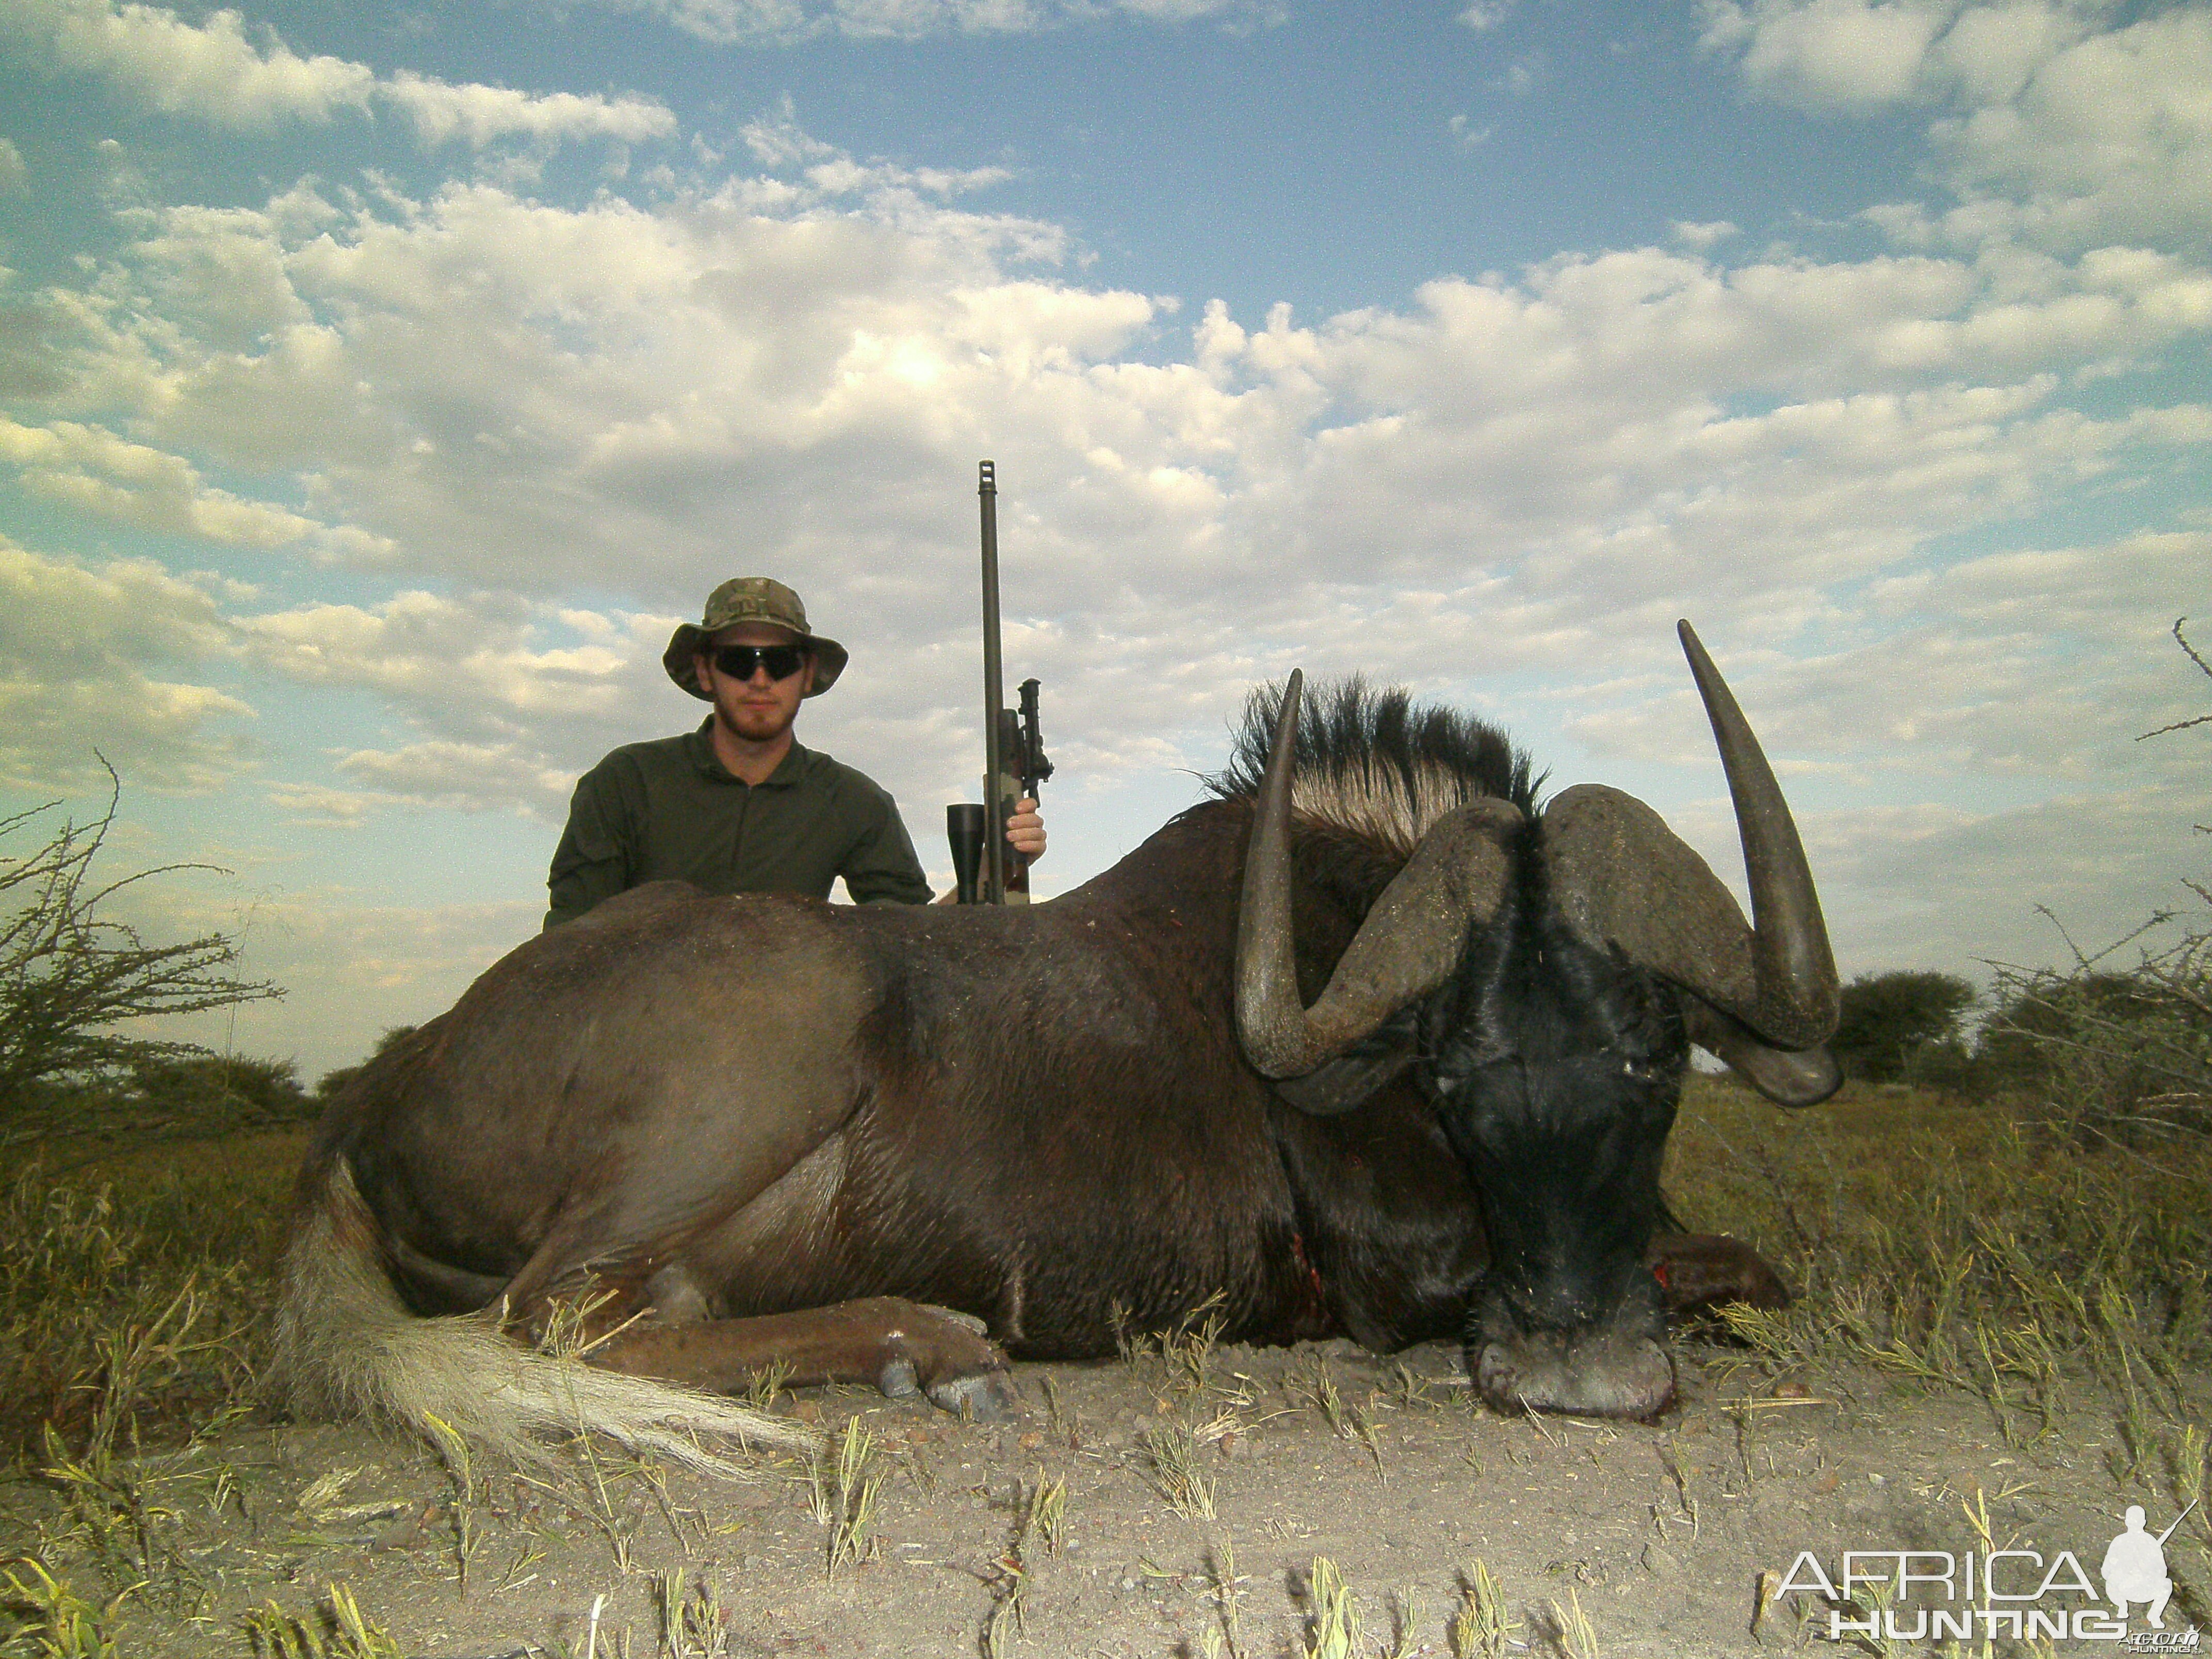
x=379 y=386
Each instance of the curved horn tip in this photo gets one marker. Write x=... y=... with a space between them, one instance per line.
x=1287 y=717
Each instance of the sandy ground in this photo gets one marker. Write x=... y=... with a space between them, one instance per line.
x=1615 y=1539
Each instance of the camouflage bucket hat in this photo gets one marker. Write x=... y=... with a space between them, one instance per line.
x=750 y=599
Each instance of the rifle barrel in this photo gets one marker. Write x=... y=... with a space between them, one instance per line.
x=2177 y=1520
x=994 y=834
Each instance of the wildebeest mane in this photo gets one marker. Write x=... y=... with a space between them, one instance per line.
x=1375 y=766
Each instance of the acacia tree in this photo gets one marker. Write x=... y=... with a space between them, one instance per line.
x=1895 y=1026
x=70 y=975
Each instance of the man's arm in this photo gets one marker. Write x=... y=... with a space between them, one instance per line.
x=592 y=862
x=882 y=868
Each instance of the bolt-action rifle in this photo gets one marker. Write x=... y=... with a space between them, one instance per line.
x=989 y=871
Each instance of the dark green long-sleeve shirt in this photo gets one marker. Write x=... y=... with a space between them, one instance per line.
x=669 y=809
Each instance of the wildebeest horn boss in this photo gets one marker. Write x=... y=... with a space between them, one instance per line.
x=1405 y=1070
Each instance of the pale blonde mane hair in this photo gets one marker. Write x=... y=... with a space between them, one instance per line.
x=1374 y=766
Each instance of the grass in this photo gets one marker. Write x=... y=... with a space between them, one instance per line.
x=340 y=1630
x=1226 y=1587
x=842 y=1493
x=54 y=1621
x=1572 y=1635
x=1176 y=1362
x=1039 y=1516
x=1332 y=1623
x=1047 y=1512
x=1956 y=1246
x=693 y=1623
x=131 y=1290
x=460 y=1469
x=1178 y=1473
x=1308 y=1382
x=1483 y=1626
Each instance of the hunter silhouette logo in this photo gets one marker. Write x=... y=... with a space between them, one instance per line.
x=2134 y=1566
x=1912 y=1596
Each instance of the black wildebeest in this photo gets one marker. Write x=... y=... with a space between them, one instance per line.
x=1403 y=1068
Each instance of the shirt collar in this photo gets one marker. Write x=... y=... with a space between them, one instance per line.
x=699 y=747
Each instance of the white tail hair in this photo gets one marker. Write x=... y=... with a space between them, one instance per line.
x=347 y=1346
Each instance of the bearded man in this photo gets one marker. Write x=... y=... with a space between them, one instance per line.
x=739 y=806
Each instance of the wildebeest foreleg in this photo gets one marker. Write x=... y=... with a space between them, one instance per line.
x=901 y=1346
x=1700 y=1271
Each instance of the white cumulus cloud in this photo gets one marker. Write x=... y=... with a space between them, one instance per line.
x=2062 y=122
x=1851 y=55
x=212 y=71
x=95 y=470
x=2108 y=138
x=102 y=655
x=517 y=398
x=220 y=73
x=478 y=115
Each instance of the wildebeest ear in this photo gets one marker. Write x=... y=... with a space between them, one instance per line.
x=1361 y=1071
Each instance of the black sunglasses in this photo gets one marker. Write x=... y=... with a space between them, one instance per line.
x=738 y=661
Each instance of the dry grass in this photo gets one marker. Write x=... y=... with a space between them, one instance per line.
x=1573 y=1636
x=847 y=1489
x=1177 y=1473
x=1952 y=1243
x=1483 y=1627
x=341 y=1631
x=1038 y=1518
x=1333 y=1623
x=132 y=1288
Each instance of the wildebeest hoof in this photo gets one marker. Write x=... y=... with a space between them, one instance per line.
x=985 y=1399
x=943 y=1354
x=897 y=1381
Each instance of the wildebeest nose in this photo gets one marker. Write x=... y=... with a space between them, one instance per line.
x=1609 y=1374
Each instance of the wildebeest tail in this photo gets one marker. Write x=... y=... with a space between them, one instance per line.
x=347 y=1346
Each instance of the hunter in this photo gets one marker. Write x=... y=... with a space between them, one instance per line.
x=739 y=806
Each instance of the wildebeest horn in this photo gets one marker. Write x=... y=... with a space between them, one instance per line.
x=1412 y=938
x=1621 y=877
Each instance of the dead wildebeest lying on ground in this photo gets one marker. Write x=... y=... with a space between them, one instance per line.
x=1403 y=1070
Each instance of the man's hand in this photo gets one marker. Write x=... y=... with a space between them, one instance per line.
x=1025 y=830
